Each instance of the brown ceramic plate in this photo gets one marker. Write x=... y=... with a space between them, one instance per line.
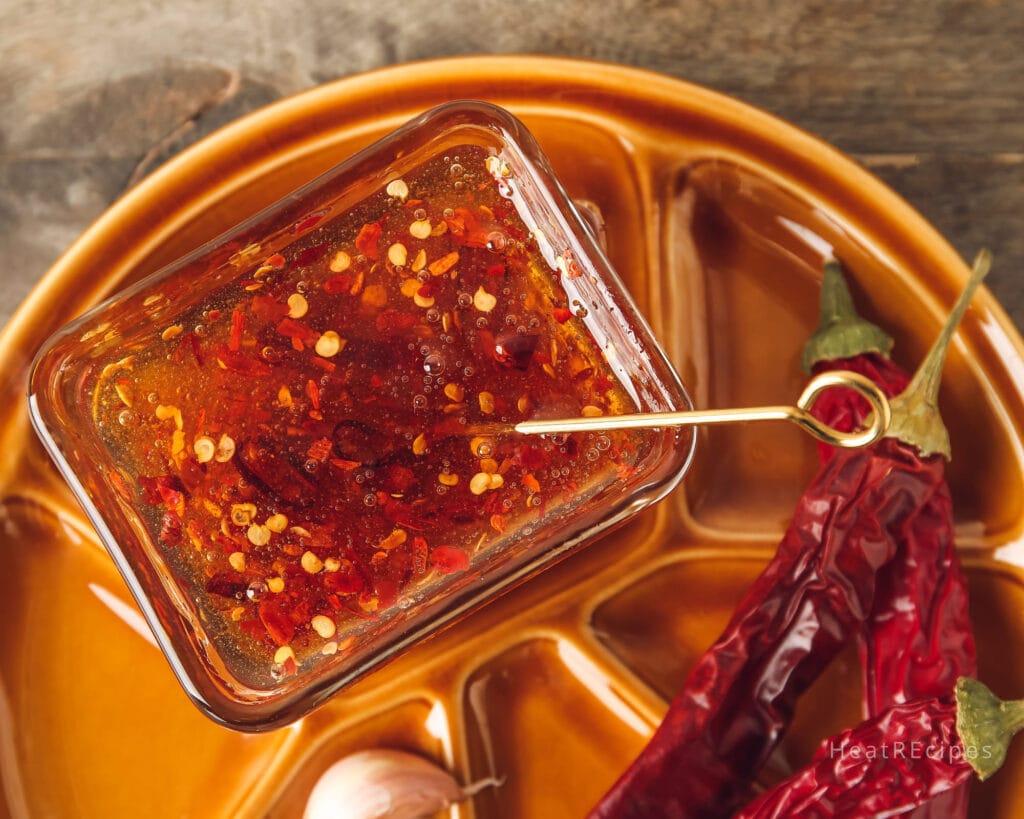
x=718 y=217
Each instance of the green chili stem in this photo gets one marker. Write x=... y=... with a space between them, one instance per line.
x=915 y=411
x=985 y=724
x=842 y=332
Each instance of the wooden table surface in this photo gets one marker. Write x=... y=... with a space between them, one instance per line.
x=928 y=94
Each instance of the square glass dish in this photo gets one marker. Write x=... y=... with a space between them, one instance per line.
x=296 y=441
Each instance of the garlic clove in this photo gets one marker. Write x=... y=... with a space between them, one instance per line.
x=382 y=783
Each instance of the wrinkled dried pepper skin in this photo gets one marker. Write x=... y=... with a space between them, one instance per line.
x=919 y=639
x=886 y=766
x=739 y=699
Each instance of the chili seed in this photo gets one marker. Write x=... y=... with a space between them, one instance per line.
x=166 y=411
x=225 y=449
x=398 y=189
x=394 y=540
x=277 y=523
x=311 y=563
x=205 y=449
x=243 y=513
x=419 y=444
x=283 y=655
x=448 y=479
x=590 y=411
x=454 y=392
x=171 y=332
x=237 y=613
x=486 y=403
x=488 y=465
x=237 y=561
x=329 y=648
x=397 y=254
x=284 y=397
x=423 y=301
x=324 y=626
x=332 y=564
x=420 y=261
x=258 y=535
x=297 y=306
x=124 y=392
x=480 y=483
x=275 y=584
x=420 y=229
x=341 y=261
x=484 y=301
x=329 y=344
x=410 y=287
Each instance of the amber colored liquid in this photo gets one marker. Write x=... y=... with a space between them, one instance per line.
x=555 y=685
x=321 y=444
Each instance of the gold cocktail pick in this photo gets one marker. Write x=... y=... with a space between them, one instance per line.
x=877 y=422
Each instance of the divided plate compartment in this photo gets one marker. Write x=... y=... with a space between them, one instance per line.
x=557 y=685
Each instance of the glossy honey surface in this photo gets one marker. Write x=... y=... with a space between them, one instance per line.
x=717 y=219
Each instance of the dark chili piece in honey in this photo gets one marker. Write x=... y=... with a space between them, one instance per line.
x=899 y=759
x=816 y=593
x=918 y=640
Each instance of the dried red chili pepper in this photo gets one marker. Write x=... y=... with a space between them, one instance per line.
x=922 y=604
x=739 y=699
x=899 y=759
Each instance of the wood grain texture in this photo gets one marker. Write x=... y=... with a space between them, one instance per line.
x=929 y=94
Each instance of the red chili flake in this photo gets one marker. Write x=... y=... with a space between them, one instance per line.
x=561 y=314
x=226 y=585
x=275 y=620
x=214 y=315
x=420 y=556
x=313 y=391
x=254 y=628
x=165 y=490
x=276 y=261
x=602 y=384
x=334 y=602
x=311 y=254
x=448 y=560
x=496 y=270
x=301 y=612
x=346 y=580
x=341 y=283
x=237 y=324
x=308 y=222
x=319 y=450
x=498 y=523
x=366 y=241
x=391 y=321
x=376 y=381
x=296 y=330
x=268 y=308
x=170 y=529
x=428 y=289
x=324 y=364
x=191 y=341
x=342 y=464
x=241 y=363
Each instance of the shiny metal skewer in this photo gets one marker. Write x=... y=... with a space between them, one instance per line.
x=878 y=421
